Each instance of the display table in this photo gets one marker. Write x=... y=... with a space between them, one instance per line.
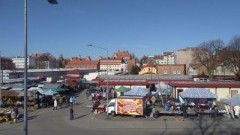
x=101 y=108
x=5 y=116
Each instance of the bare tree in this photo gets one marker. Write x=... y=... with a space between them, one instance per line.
x=208 y=55
x=232 y=56
x=61 y=61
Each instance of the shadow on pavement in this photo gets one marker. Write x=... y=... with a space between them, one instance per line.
x=32 y=117
x=165 y=129
x=205 y=125
x=81 y=116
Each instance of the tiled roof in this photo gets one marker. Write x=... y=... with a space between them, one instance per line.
x=140 y=79
x=122 y=54
x=150 y=64
x=110 y=61
x=75 y=71
x=167 y=53
x=83 y=63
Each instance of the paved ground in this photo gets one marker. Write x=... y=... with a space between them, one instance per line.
x=48 y=122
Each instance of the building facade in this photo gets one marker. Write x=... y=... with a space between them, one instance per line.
x=222 y=89
x=148 y=69
x=113 y=65
x=165 y=58
x=184 y=56
x=174 y=69
x=6 y=63
x=19 y=62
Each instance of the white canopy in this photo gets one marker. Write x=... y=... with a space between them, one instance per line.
x=197 y=93
x=137 y=91
x=233 y=101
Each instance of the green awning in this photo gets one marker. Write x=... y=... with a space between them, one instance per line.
x=122 y=89
x=56 y=89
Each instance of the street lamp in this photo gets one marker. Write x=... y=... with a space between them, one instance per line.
x=105 y=49
x=25 y=64
x=1 y=80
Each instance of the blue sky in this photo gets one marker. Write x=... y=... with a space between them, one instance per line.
x=143 y=27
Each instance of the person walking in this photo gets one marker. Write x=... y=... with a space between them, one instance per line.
x=13 y=116
x=55 y=104
x=60 y=101
x=184 y=111
x=71 y=113
x=15 y=109
x=71 y=101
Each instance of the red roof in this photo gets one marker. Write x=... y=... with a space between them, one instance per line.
x=76 y=71
x=150 y=64
x=210 y=84
x=124 y=82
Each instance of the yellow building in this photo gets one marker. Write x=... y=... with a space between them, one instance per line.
x=148 y=69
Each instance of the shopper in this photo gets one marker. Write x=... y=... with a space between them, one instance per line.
x=71 y=113
x=55 y=104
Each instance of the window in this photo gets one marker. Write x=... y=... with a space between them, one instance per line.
x=174 y=72
x=178 y=72
x=165 y=72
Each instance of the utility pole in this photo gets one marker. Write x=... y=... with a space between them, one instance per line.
x=1 y=80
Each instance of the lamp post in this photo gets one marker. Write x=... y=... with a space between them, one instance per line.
x=107 y=69
x=1 y=80
x=25 y=63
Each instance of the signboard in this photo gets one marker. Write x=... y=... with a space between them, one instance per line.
x=130 y=106
x=153 y=99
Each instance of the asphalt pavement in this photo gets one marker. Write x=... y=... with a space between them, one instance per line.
x=54 y=121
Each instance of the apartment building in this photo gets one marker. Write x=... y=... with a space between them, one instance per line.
x=172 y=69
x=127 y=58
x=165 y=58
x=113 y=65
x=20 y=61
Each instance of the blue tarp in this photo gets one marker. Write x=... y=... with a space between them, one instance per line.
x=233 y=101
x=137 y=91
x=197 y=93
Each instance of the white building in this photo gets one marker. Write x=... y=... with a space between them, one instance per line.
x=166 y=58
x=19 y=62
x=113 y=65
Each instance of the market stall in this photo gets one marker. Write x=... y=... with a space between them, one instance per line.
x=201 y=99
x=136 y=91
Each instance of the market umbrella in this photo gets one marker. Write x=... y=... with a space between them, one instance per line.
x=122 y=89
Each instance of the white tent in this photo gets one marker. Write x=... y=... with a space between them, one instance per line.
x=137 y=91
x=46 y=91
x=163 y=88
x=197 y=93
x=233 y=101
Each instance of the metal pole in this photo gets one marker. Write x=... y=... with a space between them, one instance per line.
x=25 y=71
x=107 y=81
x=1 y=80
x=25 y=65
x=107 y=71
